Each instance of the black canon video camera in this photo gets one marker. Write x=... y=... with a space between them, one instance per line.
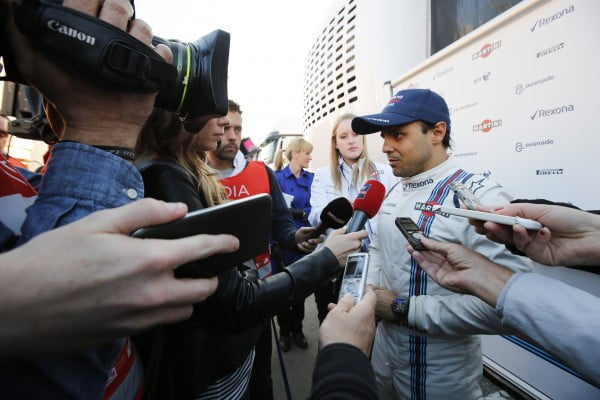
x=193 y=85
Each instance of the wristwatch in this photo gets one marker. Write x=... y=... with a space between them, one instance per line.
x=400 y=307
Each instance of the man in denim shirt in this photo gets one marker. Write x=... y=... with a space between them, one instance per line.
x=81 y=178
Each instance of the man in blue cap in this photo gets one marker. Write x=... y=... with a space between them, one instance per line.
x=425 y=347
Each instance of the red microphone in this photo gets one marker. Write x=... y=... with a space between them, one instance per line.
x=366 y=205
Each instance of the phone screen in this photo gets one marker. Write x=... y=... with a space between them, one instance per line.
x=355 y=275
x=351 y=267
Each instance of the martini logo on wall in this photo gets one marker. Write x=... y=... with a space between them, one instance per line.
x=486 y=50
x=487 y=125
x=542 y=22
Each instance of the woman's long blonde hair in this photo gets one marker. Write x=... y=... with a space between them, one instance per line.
x=163 y=135
x=297 y=145
x=358 y=177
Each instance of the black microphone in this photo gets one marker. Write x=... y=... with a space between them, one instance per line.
x=335 y=215
x=366 y=205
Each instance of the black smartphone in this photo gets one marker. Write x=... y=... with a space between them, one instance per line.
x=410 y=230
x=249 y=219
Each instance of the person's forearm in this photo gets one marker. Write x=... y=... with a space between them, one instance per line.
x=540 y=307
x=487 y=282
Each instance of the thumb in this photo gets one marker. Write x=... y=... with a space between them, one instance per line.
x=368 y=301
x=346 y=303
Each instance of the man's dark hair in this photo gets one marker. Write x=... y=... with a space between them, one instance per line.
x=234 y=107
x=426 y=127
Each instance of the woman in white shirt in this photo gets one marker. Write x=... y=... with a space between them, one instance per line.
x=350 y=168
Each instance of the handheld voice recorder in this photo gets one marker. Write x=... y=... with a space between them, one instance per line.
x=355 y=276
x=410 y=230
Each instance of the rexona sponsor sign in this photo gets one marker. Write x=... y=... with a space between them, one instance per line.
x=550 y=112
x=542 y=22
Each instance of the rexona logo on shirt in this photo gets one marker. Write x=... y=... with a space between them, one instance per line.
x=487 y=125
x=549 y=112
x=416 y=185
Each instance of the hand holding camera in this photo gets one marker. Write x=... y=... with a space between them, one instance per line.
x=82 y=113
x=113 y=67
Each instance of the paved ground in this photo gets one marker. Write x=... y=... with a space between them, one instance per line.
x=299 y=364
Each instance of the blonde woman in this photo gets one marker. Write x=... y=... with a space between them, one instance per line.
x=349 y=169
x=295 y=182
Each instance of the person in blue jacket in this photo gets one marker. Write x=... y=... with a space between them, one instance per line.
x=295 y=182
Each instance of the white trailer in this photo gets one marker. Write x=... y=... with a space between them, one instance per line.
x=522 y=91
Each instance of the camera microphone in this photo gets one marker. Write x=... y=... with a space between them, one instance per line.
x=366 y=205
x=335 y=215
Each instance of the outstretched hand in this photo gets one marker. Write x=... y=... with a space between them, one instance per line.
x=304 y=242
x=350 y=323
x=569 y=236
x=462 y=270
x=77 y=110
x=97 y=283
x=342 y=244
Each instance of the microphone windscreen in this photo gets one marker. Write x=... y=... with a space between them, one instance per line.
x=337 y=213
x=370 y=197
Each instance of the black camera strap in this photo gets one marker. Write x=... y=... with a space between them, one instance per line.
x=93 y=49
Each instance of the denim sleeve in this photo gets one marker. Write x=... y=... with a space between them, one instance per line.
x=34 y=178
x=79 y=180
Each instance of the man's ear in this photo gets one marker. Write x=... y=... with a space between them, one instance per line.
x=56 y=121
x=439 y=132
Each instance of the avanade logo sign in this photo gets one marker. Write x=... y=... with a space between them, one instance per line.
x=520 y=88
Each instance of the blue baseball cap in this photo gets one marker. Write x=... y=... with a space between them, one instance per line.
x=406 y=106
